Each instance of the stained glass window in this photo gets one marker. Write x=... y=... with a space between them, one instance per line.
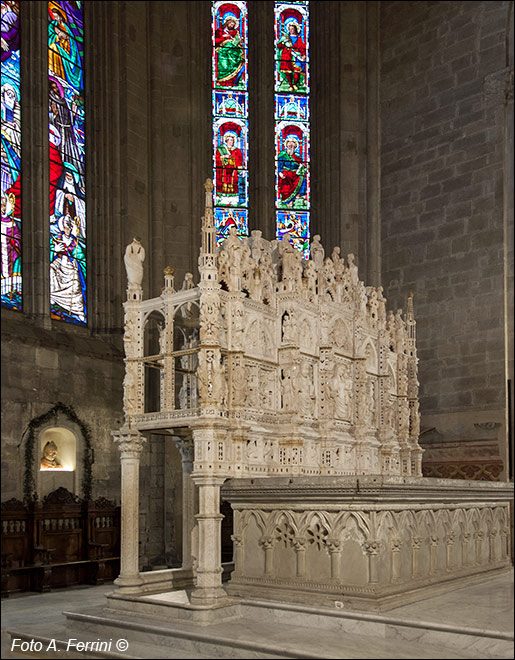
x=292 y=142
x=230 y=117
x=67 y=162
x=11 y=157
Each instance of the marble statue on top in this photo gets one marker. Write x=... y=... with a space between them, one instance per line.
x=133 y=259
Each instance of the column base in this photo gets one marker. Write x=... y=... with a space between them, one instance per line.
x=128 y=585
x=209 y=597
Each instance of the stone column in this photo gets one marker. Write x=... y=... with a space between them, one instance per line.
x=415 y=547
x=505 y=546
x=372 y=550
x=300 y=550
x=396 y=549
x=335 y=551
x=433 y=545
x=267 y=543
x=465 y=538
x=478 y=536
x=209 y=589
x=130 y=444
x=491 y=544
x=186 y=450
x=449 y=558
x=238 y=554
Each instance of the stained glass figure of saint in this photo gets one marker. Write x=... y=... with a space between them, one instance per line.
x=292 y=51
x=67 y=162
x=11 y=277
x=292 y=167
x=230 y=45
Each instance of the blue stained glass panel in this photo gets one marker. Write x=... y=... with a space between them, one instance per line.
x=67 y=162
x=230 y=116
x=295 y=226
x=225 y=218
x=292 y=117
x=230 y=105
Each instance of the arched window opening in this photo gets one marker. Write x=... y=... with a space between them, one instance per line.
x=230 y=117
x=11 y=287
x=292 y=133
x=67 y=162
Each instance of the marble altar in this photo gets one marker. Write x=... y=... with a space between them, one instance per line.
x=291 y=379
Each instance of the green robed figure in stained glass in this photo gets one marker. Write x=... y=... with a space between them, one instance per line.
x=229 y=49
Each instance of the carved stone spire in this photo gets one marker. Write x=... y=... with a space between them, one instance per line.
x=207 y=260
x=411 y=324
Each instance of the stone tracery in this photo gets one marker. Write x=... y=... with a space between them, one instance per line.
x=294 y=368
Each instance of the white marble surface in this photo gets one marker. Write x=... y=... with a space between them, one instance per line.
x=488 y=605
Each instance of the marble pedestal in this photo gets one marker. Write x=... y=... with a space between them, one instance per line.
x=368 y=542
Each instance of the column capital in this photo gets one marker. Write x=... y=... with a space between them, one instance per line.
x=186 y=448
x=129 y=441
x=334 y=545
x=237 y=540
x=371 y=547
x=207 y=480
x=266 y=541
x=299 y=543
x=396 y=545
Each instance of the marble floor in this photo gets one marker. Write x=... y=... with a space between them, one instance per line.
x=486 y=608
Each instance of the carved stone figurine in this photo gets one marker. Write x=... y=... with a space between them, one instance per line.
x=317 y=252
x=133 y=259
x=188 y=282
x=353 y=270
x=289 y=329
x=49 y=460
x=307 y=389
x=340 y=391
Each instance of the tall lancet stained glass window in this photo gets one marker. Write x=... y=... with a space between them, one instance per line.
x=67 y=162
x=11 y=157
x=230 y=117
x=292 y=143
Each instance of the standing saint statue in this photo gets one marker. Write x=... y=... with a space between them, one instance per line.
x=316 y=252
x=133 y=259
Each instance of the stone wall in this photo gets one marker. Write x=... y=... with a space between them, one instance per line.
x=443 y=76
x=148 y=129
x=43 y=367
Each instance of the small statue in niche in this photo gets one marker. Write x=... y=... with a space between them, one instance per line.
x=289 y=328
x=50 y=460
x=289 y=391
x=307 y=389
x=239 y=384
x=340 y=391
x=266 y=274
